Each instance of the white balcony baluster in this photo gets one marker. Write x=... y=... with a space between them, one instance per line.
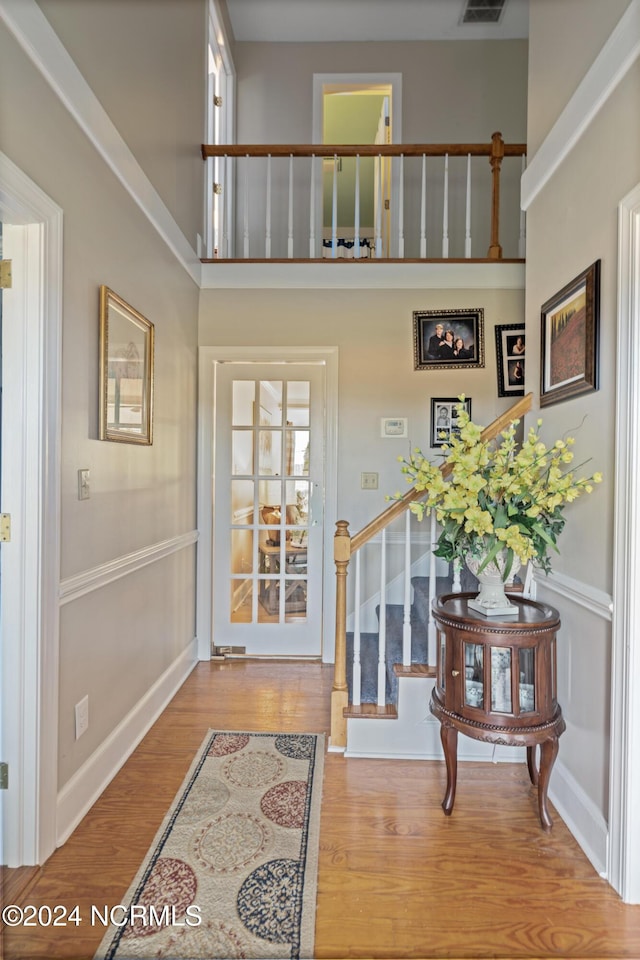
x=382 y=634
x=406 y=614
x=334 y=210
x=378 y=227
x=357 y=665
x=423 y=209
x=312 y=211
x=246 y=208
x=467 y=231
x=401 y=209
x=267 y=239
x=290 y=236
x=356 y=213
x=445 y=211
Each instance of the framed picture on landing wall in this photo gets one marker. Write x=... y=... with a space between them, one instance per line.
x=447 y=339
x=510 y=359
x=570 y=322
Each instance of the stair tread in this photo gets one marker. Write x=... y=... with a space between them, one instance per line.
x=371 y=711
x=415 y=670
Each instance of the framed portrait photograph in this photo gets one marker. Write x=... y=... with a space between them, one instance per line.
x=510 y=357
x=444 y=419
x=570 y=323
x=446 y=339
x=126 y=371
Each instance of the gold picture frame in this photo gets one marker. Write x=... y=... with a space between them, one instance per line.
x=126 y=371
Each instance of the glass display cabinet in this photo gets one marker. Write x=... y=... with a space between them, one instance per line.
x=496 y=681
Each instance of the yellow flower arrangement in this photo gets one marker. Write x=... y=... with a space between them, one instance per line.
x=498 y=496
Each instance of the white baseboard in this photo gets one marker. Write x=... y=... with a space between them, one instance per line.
x=85 y=786
x=581 y=816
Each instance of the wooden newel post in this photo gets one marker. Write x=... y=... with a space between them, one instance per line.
x=497 y=153
x=339 y=693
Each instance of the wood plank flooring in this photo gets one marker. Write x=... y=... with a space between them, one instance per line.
x=396 y=877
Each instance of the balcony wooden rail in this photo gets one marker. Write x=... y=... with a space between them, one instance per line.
x=495 y=150
x=345 y=546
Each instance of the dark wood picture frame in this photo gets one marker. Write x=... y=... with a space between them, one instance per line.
x=569 y=344
x=510 y=359
x=443 y=409
x=432 y=349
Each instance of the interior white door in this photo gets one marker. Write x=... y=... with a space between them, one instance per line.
x=268 y=508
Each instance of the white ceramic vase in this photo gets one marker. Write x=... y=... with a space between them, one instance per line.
x=492 y=600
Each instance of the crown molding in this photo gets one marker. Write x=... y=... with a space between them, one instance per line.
x=615 y=59
x=26 y=21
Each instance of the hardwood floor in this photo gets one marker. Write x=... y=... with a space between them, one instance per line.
x=396 y=877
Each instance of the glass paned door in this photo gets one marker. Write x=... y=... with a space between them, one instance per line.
x=268 y=508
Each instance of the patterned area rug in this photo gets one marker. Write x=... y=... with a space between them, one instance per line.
x=232 y=871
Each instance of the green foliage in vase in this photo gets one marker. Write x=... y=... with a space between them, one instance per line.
x=498 y=495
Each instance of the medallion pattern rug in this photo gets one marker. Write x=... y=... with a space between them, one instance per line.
x=232 y=871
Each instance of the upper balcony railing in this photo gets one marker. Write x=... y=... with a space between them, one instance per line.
x=415 y=202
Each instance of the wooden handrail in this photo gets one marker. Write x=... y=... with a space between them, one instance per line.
x=398 y=507
x=364 y=149
x=345 y=546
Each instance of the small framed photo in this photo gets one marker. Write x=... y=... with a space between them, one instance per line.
x=126 y=371
x=569 y=333
x=444 y=419
x=394 y=427
x=510 y=357
x=447 y=339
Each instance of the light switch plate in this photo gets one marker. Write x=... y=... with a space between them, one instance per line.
x=84 y=487
x=368 y=481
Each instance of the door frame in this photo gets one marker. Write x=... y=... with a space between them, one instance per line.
x=209 y=358
x=347 y=81
x=30 y=700
x=623 y=868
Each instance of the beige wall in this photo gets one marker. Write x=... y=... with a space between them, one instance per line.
x=373 y=331
x=571 y=223
x=145 y=61
x=115 y=641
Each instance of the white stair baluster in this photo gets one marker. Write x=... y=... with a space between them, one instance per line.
x=431 y=634
x=445 y=211
x=246 y=208
x=401 y=209
x=522 y=240
x=406 y=618
x=356 y=213
x=290 y=239
x=267 y=239
x=467 y=235
x=357 y=665
x=382 y=635
x=334 y=211
x=226 y=223
x=423 y=210
x=312 y=212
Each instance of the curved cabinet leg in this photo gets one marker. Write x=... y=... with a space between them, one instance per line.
x=449 y=737
x=548 y=754
x=531 y=765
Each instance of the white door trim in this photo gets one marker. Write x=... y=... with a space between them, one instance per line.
x=624 y=825
x=208 y=358
x=30 y=699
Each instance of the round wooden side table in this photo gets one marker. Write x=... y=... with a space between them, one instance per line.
x=496 y=681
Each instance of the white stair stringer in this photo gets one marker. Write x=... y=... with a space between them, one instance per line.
x=415 y=733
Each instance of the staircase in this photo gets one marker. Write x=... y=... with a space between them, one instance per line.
x=383 y=680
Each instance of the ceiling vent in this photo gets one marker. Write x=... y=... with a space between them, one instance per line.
x=483 y=11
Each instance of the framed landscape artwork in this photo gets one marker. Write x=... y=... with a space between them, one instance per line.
x=447 y=339
x=444 y=419
x=570 y=339
x=510 y=359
